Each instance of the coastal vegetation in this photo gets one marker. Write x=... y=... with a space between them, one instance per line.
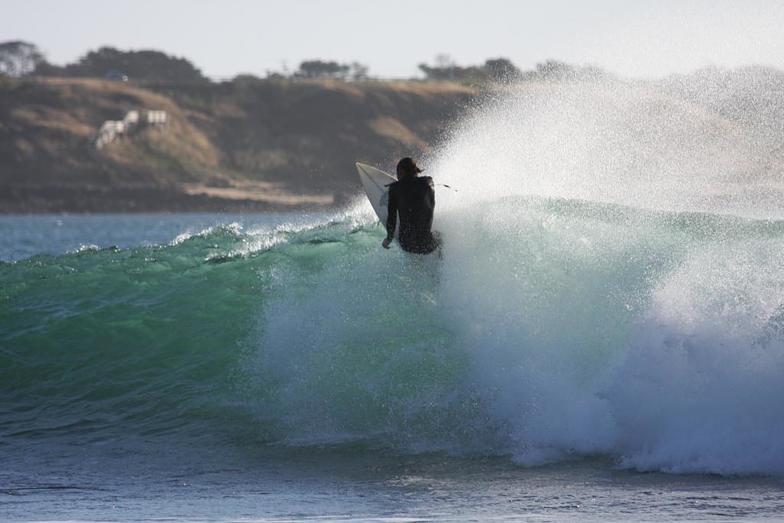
x=288 y=140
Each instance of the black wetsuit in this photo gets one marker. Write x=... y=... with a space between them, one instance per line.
x=414 y=198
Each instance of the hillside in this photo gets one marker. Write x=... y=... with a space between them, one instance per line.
x=252 y=144
x=246 y=144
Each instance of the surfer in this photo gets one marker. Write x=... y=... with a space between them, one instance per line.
x=414 y=198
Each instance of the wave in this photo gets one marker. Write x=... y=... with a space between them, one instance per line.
x=564 y=328
x=611 y=282
x=100 y=342
x=547 y=329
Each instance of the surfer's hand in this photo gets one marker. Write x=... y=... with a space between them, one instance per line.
x=386 y=242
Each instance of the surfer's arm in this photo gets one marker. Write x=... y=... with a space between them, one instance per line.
x=391 y=218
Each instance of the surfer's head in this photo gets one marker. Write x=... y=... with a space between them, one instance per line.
x=407 y=168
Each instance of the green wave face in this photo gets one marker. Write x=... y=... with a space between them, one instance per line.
x=103 y=342
x=545 y=328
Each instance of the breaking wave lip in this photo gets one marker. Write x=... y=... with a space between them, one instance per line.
x=255 y=239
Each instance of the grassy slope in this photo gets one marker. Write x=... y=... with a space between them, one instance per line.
x=264 y=144
x=252 y=144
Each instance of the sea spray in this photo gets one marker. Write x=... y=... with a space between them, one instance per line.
x=543 y=307
x=650 y=337
x=708 y=143
x=701 y=389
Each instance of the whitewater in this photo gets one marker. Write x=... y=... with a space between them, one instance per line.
x=608 y=301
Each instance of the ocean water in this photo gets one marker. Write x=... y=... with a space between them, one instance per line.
x=600 y=338
x=598 y=362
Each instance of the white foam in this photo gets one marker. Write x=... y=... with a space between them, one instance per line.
x=553 y=325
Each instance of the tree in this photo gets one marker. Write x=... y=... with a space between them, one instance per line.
x=245 y=79
x=359 y=71
x=444 y=68
x=554 y=70
x=444 y=61
x=18 y=58
x=138 y=65
x=501 y=70
x=321 y=69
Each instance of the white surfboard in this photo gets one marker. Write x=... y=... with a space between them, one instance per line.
x=375 y=182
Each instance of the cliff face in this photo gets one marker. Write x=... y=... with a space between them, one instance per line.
x=246 y=144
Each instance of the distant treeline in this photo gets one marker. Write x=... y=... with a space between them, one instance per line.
x=19 y=59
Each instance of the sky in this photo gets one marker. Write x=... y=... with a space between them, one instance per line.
x=638 y=38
